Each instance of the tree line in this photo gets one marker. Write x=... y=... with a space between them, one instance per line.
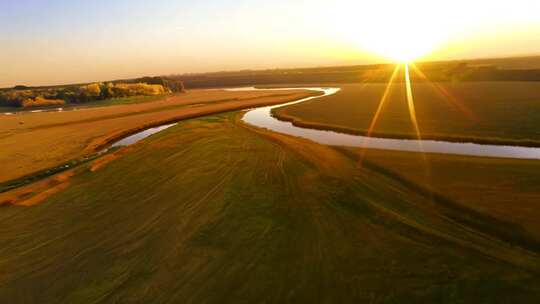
x=21 y=96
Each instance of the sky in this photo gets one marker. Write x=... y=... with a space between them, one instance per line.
x=55 y=42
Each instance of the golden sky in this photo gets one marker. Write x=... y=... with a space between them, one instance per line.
x=55 y=42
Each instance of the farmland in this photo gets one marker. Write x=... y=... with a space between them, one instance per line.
x=483 y=112
x=215 y=210
x=32 y=142
x=495 y=69
x=504 y=189
x=212 y=210
x=273 y=152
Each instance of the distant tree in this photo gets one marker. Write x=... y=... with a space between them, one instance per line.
x=91 y=90
x=106 y=90
x=133 y=89
x=41 y=101
x=170 y=85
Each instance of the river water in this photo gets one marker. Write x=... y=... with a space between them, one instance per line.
x=262 y=117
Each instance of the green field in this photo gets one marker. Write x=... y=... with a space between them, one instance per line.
x=210 y=211
x=497 y=112
x=506 y=189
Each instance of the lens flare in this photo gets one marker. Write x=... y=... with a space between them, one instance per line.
x=414 y=120
x=451 y=99
x=382 y=102
x=410 y=102
x=379 y=110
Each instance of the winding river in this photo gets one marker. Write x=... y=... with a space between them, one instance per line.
x=263 y=118
x=126 y=141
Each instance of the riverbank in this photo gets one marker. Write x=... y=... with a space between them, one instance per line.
x=495 y=113
x=299 y=122
x=34 y=142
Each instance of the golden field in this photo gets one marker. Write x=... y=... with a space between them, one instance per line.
x=35 y=141
x=496 y=112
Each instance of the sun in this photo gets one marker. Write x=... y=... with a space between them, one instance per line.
x=399 y=47
x=400 y=31
x=401 y=40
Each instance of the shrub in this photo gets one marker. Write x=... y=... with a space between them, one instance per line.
x=170 y=85
x=132 y=89
x=91 y=90
x=151 y=86
x=15 y=98
x=40 y=101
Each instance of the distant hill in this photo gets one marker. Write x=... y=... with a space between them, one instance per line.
x=495 y=69
x=518 y=63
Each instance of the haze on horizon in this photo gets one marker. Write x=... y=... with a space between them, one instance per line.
x=56 y=42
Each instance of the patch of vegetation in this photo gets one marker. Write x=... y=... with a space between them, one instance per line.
x=483 y=112
x=21 y=96
x=209 y=211
x=504 y=189
x=27 y=139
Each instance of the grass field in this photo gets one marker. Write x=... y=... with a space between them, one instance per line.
x=30 y=142
x=506 y=189
x=211 y=211
x=497 y=112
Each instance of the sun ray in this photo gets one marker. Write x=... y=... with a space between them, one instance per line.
x=410 y=102
x=372 y=77
x=382 y=102
x=414 y=120
x=379 y=110
x=451 y=99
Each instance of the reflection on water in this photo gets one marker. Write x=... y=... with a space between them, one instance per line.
x=41 y=111
x=140 y=135
x=262 y=117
